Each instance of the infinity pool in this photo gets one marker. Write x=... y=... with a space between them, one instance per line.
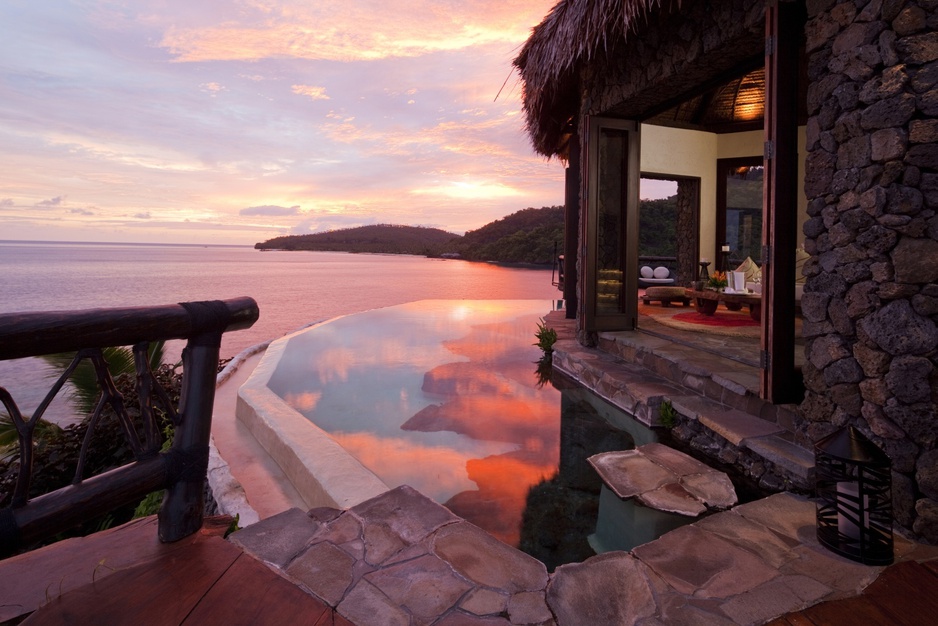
x=441 y=395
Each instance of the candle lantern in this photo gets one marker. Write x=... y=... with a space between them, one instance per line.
x=854 y=490
x=704 y=276
x=725 y=254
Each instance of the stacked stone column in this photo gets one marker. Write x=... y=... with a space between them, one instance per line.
x=871 y=298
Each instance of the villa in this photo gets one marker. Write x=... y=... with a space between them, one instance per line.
x=800 y=141
x=831 y=107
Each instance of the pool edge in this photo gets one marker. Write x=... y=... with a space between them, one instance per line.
x=322 y=471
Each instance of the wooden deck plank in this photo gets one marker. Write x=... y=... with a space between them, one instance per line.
x=849 y=612
x=892 y=593
x=341 y=621
x=932 y=566
x=792 y=619
x=30 y=579
x=162 y=591
x=250 y=593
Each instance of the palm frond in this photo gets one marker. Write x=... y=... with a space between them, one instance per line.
x=84 y=390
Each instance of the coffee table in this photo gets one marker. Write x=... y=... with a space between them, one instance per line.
x=707 y=301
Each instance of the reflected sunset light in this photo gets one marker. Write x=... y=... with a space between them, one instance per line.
x=452 y=409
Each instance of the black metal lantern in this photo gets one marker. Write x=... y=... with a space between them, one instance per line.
x=854 y=489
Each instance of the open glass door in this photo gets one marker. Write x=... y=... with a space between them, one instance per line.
x=612 y=225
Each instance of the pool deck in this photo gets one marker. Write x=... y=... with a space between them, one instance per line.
x=400 y=558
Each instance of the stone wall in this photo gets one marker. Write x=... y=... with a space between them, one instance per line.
x=871 y=299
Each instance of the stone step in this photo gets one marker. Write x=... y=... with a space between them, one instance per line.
x=638 y=373
x=627 y=386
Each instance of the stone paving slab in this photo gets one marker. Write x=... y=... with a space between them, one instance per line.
x=785 y=454
x=402 y=559
x=736 y=426
x=698 y=563
x=279 y=539
x=609 y=589
x=664 y=479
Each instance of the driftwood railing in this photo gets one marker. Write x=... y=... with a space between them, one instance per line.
x=180 y=470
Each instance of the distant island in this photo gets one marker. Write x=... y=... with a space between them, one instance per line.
x=527 y=236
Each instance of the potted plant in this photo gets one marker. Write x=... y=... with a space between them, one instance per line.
x=717 y=281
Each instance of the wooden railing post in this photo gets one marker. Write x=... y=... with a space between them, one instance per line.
x=181 y=512
x=187 y=460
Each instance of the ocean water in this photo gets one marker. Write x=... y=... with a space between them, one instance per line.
x=292 y=289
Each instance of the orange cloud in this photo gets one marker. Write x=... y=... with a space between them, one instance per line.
x=314 y=93
x=337 y=30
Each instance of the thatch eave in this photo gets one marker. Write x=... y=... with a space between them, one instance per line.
x=571 y=34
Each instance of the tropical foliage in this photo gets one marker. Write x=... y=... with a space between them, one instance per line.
x=657 y=227
x=56 y=452
x=378 y=238
x=83 y=390
x=9 y=438
x=526 y=236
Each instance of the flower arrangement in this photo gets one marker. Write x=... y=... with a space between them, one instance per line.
x=717 y=280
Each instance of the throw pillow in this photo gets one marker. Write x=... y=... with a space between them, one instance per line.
x=751 y=270
x=646 y=272
x=662 y=272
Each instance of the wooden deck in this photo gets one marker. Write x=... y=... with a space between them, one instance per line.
x=125 y=576
x=905 y=594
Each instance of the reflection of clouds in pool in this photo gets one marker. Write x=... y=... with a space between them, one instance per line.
x=305 y=401
x=438 y=395
x=484 y=405
x=464 y=378
x=484 y=418
x=442 y=470
x=496 y=340
x=503 y=482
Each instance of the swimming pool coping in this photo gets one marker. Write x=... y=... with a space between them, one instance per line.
x=321 y=470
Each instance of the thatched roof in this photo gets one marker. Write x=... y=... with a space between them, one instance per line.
x=573 y=32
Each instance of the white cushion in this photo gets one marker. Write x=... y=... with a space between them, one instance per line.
x=646 y=272
x=661 y=272
x=752 y=271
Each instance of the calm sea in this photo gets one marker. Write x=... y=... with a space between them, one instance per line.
x=292 y=289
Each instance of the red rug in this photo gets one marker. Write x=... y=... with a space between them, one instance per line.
x=726 y=319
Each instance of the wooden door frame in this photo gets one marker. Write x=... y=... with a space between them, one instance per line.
x=631 y=174
x=784 y=32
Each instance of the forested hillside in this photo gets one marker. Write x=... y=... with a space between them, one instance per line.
x=379 y=238
x=530 y=235
x=657 y=223
x=526 y=236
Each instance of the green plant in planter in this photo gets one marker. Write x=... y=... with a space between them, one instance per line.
x=546 y=337
x=667 y=414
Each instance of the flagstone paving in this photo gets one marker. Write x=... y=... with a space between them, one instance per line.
x=400 y=558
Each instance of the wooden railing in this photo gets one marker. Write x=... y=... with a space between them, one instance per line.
x=180 y=470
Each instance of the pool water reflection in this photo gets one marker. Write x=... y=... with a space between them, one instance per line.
x=441 y=395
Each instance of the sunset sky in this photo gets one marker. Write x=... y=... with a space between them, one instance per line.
x=237 y=121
